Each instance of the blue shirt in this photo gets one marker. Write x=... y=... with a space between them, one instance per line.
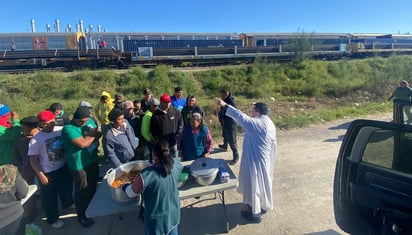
x=178 y=103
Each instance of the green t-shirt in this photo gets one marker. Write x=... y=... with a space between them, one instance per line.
x=78 y=158
x=7 y=138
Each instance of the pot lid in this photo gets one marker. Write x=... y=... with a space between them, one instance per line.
x=204 y=167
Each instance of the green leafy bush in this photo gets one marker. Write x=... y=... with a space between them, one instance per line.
x=345 y=82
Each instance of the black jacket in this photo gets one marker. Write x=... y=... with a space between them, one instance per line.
x=223 y=119
x=187 y=112
x=168 y=125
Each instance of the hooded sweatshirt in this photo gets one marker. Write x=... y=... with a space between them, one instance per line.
x=12 y=189
x=103 y=109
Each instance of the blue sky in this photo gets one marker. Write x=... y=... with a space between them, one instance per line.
x=225 y=16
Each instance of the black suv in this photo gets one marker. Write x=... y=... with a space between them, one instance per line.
x=372 y=191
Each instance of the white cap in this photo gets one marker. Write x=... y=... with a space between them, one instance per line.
x=85 y=104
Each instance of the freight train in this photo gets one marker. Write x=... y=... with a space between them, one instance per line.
x=70 y=50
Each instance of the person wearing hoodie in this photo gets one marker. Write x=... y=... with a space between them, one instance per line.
x=103 y=109
x=10 y=130
x=12 y=189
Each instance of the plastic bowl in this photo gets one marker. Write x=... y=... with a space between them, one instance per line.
x=184 y=176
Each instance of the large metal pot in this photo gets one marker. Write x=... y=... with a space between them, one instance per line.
x=112 y=174
x=204 y=170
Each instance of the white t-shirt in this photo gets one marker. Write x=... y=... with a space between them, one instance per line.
x=49 y=147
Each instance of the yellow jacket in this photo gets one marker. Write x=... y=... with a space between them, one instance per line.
x=103 y=109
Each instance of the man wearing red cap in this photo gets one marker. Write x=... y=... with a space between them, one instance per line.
x=167 y=123
x=9 y=131
x=48 y=161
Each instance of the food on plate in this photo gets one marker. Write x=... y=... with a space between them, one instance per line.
x=125 y=178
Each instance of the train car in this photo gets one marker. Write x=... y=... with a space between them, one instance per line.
x=380 y=42
x=42 y=41
x=132 y=45
x=276 y=39
x=156 y=40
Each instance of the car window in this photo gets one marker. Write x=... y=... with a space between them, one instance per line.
x=379 y=149
x=407 y=115
x=382 y=149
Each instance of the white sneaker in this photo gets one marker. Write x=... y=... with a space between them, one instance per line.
x=58 y=224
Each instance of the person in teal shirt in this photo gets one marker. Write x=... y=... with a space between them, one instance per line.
x=80 y=139
x=159 y=185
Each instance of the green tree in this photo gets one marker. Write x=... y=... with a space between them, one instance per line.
x=302 y=47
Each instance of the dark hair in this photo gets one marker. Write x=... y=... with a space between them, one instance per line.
x=161 y=150
x=188 y=98
x=56 y=106
x=225 y=90
x=115 y=113
x=262 y=108
x=119 y=98
x=147 y=91
x=177 y=89
x=136 y=102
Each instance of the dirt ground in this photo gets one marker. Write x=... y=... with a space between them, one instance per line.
x=303 y=182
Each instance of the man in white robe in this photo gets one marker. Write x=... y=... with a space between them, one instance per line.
x=258 y=159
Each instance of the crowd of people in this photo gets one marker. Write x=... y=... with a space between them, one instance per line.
x=165 y=130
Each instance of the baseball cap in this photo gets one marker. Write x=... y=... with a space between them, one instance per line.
x=45 y=116
x=4 y=109
x=165 y=98
x=85 y=104
x=154 y=101
x=30 y=121
x=81 y=112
